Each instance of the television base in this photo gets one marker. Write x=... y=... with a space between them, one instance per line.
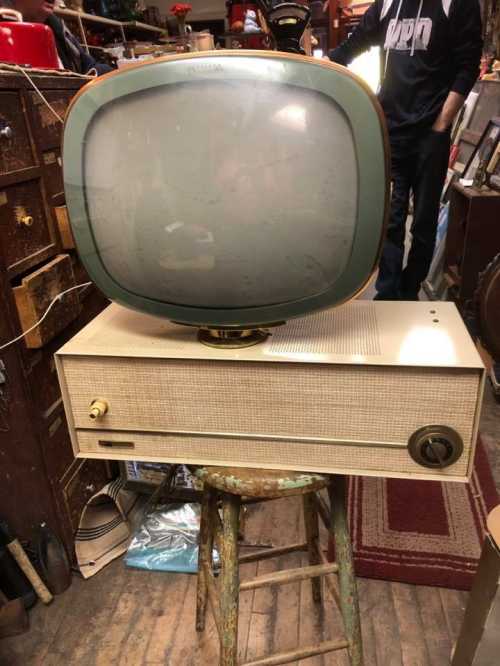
x=372 y=388
x=231 y=339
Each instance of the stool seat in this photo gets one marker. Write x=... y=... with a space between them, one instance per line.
x=260 y=482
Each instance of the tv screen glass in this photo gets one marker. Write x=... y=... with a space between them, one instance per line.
x=222 y=193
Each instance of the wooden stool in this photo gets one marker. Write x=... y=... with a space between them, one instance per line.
x=230 y=485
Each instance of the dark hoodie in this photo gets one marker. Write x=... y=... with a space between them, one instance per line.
x=72 y=55
x=430 y=47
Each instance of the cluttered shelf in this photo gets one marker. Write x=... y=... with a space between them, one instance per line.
x=124 y=26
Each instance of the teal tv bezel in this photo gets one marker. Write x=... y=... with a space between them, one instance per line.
x=371 y=146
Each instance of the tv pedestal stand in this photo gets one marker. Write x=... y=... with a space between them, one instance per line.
x=223 y=338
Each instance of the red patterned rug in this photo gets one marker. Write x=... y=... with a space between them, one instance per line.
x=421 y=532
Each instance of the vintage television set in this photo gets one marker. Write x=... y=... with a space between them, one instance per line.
x=232 y=205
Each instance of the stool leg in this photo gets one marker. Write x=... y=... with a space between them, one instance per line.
x=229 y=580
x=312 y=534
x=349 y=606
x=205 y=550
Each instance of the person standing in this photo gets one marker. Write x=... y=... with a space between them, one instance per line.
x=432 y=50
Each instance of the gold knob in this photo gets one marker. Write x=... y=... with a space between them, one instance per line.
x=97 y=409
x=26 y=221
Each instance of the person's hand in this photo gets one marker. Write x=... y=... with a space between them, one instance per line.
x=440 y=124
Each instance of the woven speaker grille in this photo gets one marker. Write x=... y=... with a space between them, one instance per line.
x=350 y=329
x=361 y=403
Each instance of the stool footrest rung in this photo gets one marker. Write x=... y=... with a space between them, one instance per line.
x=272 y=552
x=299 y=653
x=288 y=576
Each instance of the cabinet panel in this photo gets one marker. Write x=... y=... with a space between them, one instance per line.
x=16 y=152
x=57 y=450
x=46 y=126
x=44 y=385
x=26 y=235
x=53 y=173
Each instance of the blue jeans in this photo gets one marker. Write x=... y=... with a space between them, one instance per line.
x=418 y=165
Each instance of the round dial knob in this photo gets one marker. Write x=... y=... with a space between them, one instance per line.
x=435 y=446
x=97 y=409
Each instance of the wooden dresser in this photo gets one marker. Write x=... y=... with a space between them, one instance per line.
x=472 y=240
x=39 y=478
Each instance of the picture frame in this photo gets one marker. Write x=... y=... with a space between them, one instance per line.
x=493 y=170
x=475 y=168
x=482 y=103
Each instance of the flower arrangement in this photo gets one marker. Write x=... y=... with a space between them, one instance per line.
x=180 y=10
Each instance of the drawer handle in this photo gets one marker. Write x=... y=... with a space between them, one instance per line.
x=6 y=132
x=116 y=445
x=97 y=409
x=26 y=221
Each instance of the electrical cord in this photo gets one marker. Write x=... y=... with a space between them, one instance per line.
x=57 y=298
x=45 y=101
x=19 y=68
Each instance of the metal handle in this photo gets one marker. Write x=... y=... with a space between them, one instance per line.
x=113 y=444
x=6 y=132
x=97 y=409
x=6 y=12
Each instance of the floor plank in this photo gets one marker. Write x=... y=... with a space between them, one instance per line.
x=367 y=622
x=454 y=603
x=411 y=631
x=434 y=625
x=385 y=623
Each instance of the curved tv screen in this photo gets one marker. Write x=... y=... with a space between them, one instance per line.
x=214 y=194
x=227 y=191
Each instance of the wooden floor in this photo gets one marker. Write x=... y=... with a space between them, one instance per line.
x=128 y=617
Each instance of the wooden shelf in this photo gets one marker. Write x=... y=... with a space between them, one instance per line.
x=123 y=26
x=71 y=13
x=137 y=25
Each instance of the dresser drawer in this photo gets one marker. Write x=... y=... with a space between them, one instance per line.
x=46 y=126
x=16 y=151
x=26 y=235
x=35 y=294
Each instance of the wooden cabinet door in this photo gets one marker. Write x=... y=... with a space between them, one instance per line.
x=26 y=232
